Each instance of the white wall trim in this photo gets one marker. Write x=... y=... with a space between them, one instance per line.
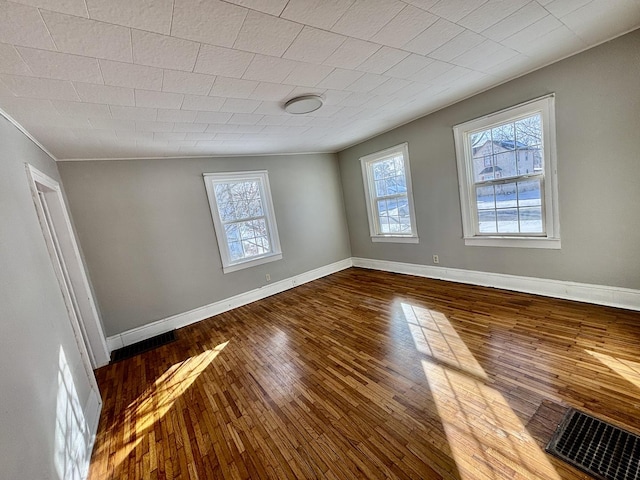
x=192 y=316
x=582 y=292
x=83 y=312
x=15 y=123
x=211 y=155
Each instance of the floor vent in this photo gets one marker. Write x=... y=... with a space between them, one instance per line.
x=596 y=447
x=143 y=346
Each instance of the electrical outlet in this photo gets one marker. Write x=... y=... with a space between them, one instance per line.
x=268 y=277
x=436 y=259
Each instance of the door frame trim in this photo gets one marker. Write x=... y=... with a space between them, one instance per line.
x=94 y=347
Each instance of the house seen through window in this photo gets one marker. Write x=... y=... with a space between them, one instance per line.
x=507 y=175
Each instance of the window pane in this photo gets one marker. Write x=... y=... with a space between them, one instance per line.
x=235 y=251
x=223 y=195
x=505 y=164
x=481 y=152
x=506 y=195
x=487 y=221
x=238 y=200
x=503 y=137
x=531 y=220
x=384 y=224
x=232 y=232
x=381 y=188
x=537 y=157
x=529 y=193
x=378 y=171
x=227 y=211
x=392 y=186
x=404 y=219
x=485 y=197
x=382 y=208
x=529 y=130
x=393 y=215
x=249 y=238
x=399 y=165
x=384 y=168
x=507 y=220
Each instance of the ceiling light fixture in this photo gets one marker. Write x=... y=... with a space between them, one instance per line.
x=303 y=104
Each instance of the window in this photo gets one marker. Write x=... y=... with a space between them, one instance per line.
x=387 y=186
x=507 y=176
x=243 y=218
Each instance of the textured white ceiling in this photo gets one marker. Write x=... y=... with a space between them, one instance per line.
x=154 y=78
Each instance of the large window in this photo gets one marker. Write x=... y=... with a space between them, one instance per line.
x=387 y=184
x=243 y=218
x=507 y=176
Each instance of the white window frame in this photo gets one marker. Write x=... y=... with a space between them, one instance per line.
x=462 y=132
x=262 y=176
x=369 y=189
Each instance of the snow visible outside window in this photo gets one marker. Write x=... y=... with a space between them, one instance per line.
x=507 y=175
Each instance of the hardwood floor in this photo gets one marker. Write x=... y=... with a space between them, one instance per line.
x=367 y=374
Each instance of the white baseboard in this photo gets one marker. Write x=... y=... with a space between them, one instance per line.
x=582 y=292
x=187 y=318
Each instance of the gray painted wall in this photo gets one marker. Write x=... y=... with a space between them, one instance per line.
x=34 y=320
x=598 y=145
x=148 y=238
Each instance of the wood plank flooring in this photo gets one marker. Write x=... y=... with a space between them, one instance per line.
x=366 y=374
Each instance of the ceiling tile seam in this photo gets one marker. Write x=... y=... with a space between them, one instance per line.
x=244 y=19
x=300 y=33
x=208 y=94
x=133 y=61
x=22 y=58
x=512 y=13
x=353 y=2
x=560 y=19
x=86 y=8
x=173 y=10
x=283 y=9
x=100 y=70
x=53 y=41
x=195 y=60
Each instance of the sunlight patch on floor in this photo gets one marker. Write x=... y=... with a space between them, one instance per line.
x=487 y=439
x=627 y=369
x=156 y=401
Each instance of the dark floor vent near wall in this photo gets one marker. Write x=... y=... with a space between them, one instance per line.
x=596 y=447
x=143 y=346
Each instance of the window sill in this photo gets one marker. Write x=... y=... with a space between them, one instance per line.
x=251 y=263
x=518 y=242
x=394 y=239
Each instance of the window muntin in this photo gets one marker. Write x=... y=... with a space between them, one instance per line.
x=243 y=218
x=507 y=175
x=387 y=183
